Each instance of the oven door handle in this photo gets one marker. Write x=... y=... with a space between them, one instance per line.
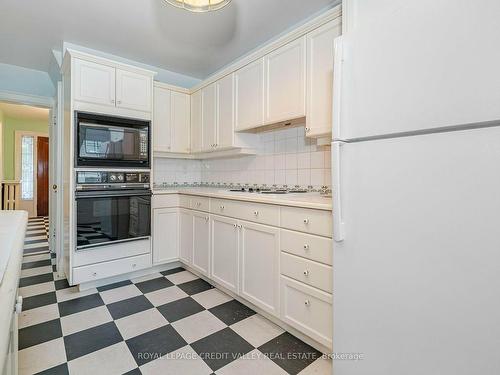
x=108 y=194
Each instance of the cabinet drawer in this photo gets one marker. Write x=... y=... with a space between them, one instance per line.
x=311 y=273
x=307 y=309
x=111 y=268
x=307 y=246
x=185 y=201
x=165 y=200
x=307 y=220
x=256 y=212
x=199 y=203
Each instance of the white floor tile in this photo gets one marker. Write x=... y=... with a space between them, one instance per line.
x=165 y=295
x=121 y=293
x=33 y=290
x=114 y=359
x=181 y=277
x=137 y=324
x=71 y=293
x=252 y=363
x=183 y=361
x=36 y=271
x=85 y=319
x=197 y=326
x=38 y=315
x=35 y=258
x=34 y=245
x=211 y=298
x=41 y=357
x=257 y=330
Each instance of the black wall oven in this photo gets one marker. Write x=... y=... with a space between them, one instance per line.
x=111 y=210
x=105 y=141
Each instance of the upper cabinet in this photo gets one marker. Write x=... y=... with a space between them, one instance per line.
x=320 y=78
x=225 y=110
x=196 y=128
x=209 y=117
x=133 y=90
x=285 y=82
x=94 y=83
x=171 y=121
x=249 y=84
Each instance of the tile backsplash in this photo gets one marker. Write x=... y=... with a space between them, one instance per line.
x=285 y=157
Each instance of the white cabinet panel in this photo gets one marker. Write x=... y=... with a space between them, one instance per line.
x=165 y=235
x=285 y=82
x=186 y=236
x=225 y=96
x=249 y=87
x=180 y=121
x=224 y=259
x=94 y=83
x=133 y=90
x=162 y=126
x=260 y=266
x=196 y=122
x=201 y=242
x=320 y=78
x=209 y=117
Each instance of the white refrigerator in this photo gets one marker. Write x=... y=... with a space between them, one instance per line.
x=416 y=191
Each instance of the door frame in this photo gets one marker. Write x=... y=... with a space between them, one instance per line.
x=17 y=161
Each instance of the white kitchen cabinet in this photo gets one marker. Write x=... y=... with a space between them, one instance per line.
x=285 y=82
x=249 y=87
x=225 y=108
x=186 y=236
x=259 y=264
x=196 y=122
x=225 y=252
x=133 y=90
x=209 y=117
x=180 y=121
x=201 y=242
x=162 y=125
x=94 y=83
x=320 y=78
x=165 y=232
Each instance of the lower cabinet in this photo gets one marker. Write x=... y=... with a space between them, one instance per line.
x=201 y=242
x=225 y=257
x=259 y=251
x=186 y=236
x=165 y=229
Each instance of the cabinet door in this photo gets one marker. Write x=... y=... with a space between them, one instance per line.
x=196 y=129
x=180 y=120
x=165 y=235
x=224 y=257
x=162 y=127
x=201 y=242
x=285 y=82
x=249 y=87
x=225 y=95
x=209 y=117
x=259 y=251
x=94 y=83
x=186 y=236
x=133 y=90
x=320 y=78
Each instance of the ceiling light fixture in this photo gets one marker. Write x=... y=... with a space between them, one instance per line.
x=199 y=5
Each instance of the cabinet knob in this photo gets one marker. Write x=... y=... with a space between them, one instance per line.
x=94 y=274
x=306 y=221
x=239 y=226
x=206 y=218
x=221 y=208
x=112 y=101
x=198 y=204
x=54 y=187
x=256 y=213
x=234 y=225
x=306 y=272
x=134 y=265
x=306 y=247
x=307 y=302
x=119 y=102
x=308 y=130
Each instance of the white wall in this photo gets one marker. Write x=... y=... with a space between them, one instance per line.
x=286 y=157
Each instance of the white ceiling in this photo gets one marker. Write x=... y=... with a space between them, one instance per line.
x=24 y=112
x=148 y=31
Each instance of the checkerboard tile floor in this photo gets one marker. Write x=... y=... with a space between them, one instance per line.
x=166 y=323
x=37 y=236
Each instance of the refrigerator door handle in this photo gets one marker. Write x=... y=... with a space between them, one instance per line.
x=337 y=87
x=338 y=222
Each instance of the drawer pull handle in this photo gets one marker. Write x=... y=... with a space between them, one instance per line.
x=306 y=247
x=307 y=302
x=306 y=273
x=256 y=213
x=198 y=204
x=239 y=226
x=306 y=221
x=134 y=265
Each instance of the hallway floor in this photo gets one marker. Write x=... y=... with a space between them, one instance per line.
x=166 y=323
x=36 y=241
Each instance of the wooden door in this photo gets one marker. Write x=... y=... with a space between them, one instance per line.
x=42 y=176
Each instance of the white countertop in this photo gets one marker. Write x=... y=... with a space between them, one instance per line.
x=305 y=200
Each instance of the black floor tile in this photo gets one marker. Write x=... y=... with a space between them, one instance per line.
x=39 y=300
x=36 y=250
x=179 y=309
x=154 y=284
x=39 y=333
x=76 y=305
x=30 y=242
x=172 y=271
x=57 y=370
x=38 y=279
x=221 y=348
x=290 y=353
x=52 y=255
x=114 y=285
x=91 y=340
x=129 y=306
x=195 y=286
x=38 y=263
x=135 y=371
x=54 y=268
x=29 y=235
x=158 y=342
x=231 y=312
x=61 y=284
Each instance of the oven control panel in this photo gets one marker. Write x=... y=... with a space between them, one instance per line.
x=112 y=178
